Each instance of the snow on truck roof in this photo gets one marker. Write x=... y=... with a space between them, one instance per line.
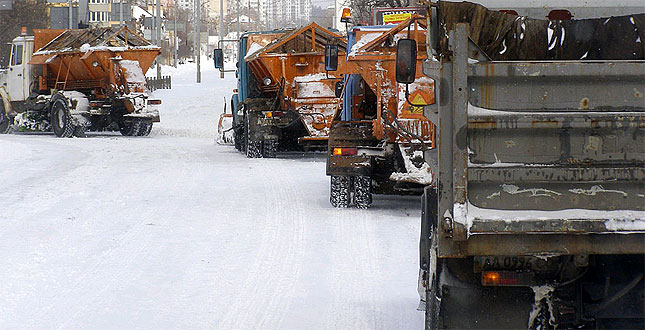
x=108 y=38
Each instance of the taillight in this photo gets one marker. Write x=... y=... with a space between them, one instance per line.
x=95 y=104
x=154 y=102
x=507 y=278
x=345 y=151
x=272 y=114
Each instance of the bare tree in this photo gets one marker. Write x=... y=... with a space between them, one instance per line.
x=362 y=9
x=31 y=14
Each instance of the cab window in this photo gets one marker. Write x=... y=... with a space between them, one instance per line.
x=19 y=54
x=16 y=55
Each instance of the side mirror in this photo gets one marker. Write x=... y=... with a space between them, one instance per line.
x=331 y=57
x=218 y=58
x=338 y=88
x=406 y=61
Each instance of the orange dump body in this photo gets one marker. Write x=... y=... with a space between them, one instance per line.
x=294 y=64
x=374 y=58
x=102 y=59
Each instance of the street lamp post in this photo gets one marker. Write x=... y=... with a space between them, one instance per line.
x=198 y=30
x=158 y=28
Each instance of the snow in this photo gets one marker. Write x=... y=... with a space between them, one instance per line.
x=254 y=48
x=133 y=71
x=84 y=48
x=313 y=77
x=541 y=292
x=175 y=231
x=364 y=40
x=314 y=89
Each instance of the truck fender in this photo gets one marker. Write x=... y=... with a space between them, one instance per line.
x=5 y=100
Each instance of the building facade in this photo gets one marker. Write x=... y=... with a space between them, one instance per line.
x=286 y=13
x=93 y=13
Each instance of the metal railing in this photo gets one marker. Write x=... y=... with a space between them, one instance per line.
x=165 y=82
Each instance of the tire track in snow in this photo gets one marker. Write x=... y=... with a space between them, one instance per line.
x=263 y=298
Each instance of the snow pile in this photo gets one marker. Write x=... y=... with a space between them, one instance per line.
x=133 y=72
x=314 y=89
x=414 y=174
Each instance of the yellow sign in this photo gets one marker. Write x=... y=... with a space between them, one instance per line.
x=395 y=18
x=416 y=97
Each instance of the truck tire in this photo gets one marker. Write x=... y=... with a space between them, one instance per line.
x=339 y=194
x=144 y=129
x=79 y=131
x=269 y=148
x=61 y=119
x=239 y=130
x=362 y=192
x=130 y=129
x=253 y=146
x=254 y=149
x=5 y=121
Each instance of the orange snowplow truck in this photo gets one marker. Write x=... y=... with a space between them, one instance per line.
x=378 y=140
x=72 y=81
x=285 y=100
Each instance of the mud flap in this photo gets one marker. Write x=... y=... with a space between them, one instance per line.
x=465 y=304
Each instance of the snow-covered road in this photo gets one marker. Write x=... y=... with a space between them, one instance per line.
x=174 y=231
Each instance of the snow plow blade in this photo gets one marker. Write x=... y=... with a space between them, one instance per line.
x=225 y=134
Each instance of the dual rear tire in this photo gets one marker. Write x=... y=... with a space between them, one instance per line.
x=137 y=127
x=344 y=189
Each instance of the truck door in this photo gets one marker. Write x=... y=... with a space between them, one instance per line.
x=16 y=75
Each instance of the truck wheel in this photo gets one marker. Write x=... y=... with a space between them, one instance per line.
x=339 y=194
x=130 y=129
x=79 y=131
x=144 y=129
x=61 y=119
x=239 y=136
x=5 y=121
x=269 y=148
x=253 y=146
x=362 y=192
x=254 y=149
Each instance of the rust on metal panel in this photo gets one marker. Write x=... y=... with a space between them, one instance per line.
x=544 y=244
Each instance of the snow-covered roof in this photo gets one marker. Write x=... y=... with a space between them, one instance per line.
x=243 y=19
x=137 y=12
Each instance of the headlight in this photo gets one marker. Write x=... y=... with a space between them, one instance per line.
x=267 y=81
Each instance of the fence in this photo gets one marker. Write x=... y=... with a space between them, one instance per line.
x=165 y=82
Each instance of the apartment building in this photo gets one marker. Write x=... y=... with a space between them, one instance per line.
x=95 y=13
x=286 y=13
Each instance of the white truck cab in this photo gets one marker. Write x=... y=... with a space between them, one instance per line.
x=17 y=78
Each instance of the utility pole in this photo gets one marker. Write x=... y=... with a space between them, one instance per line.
x=159 y=37
x=71 y=25
x=238 y=19
x=174 y=42
x=221 y=29
x=121 y=13
x=198 y=29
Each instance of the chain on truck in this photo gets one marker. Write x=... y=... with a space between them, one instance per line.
x=536 y=217
x=284 y=100
x=377 y=139
x=73 y=81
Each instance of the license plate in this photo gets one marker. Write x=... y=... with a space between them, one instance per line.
x=482 y=263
